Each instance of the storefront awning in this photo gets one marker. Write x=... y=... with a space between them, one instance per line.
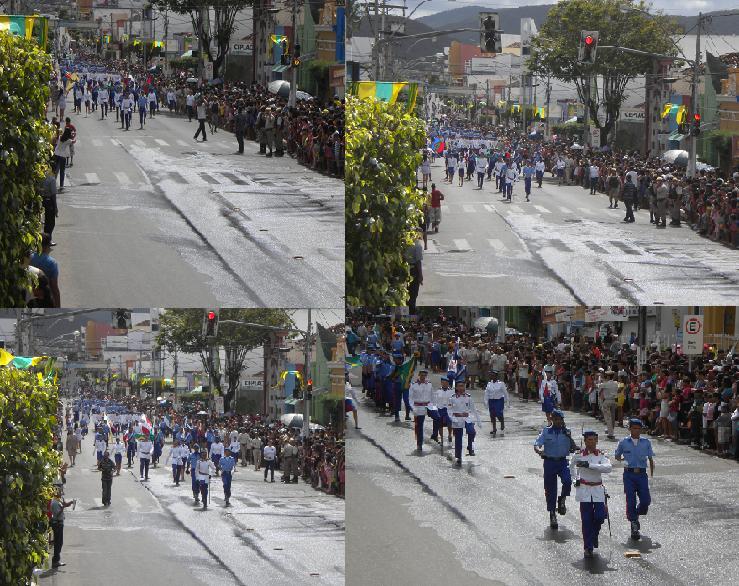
x=280 y=68
x=676 y=136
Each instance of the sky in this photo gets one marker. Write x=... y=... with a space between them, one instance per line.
x=684 y=8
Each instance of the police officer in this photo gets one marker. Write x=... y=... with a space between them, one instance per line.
x=461 y=411
x=553 y=445
x=290 y=462
x=227 y=463
x=421 y=395
x=636 y=450
x=496 y=396
x=438 y=412
x=548 y=394
x=586 y=467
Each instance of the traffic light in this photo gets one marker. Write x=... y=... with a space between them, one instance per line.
x=296 y=62
x=309 y=389
x=121 y=319
x=489 y=33
x=696 y=128
x=588 y=47
x=210 y=323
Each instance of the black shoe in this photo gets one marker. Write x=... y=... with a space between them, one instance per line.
x=635 y=531
x=58 y=565
x=561 y=508
x=492 y=433
x=407 y=417
x=588 y=553
x=553 y=520
x=470 y=452
x=457 y=463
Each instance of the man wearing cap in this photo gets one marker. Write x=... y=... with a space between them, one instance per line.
x=553 y=445
x=548 y=393
x=636 y=450
x=586 y=467
x=496 y=396
x=439 y=412
x=421 y=395
x=461 y=412
x=608 y=392
x=227 y=463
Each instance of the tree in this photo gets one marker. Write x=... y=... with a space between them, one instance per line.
x=25 y=149
x=383 y=205
x=620 y=23
x=28 y=465
x=181 y=329
x=217 y=31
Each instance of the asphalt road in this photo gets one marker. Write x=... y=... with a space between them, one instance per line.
x=152 y=217
x=565 y=247
x=421 y=521
x=272 y=533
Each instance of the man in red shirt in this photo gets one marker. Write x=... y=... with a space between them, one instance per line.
x=435 y=212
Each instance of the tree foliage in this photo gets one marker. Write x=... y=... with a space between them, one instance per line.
x=222 y=24
x=182 y=329
x=620 y=23
x=383 y=206
x=28 y=464
x=25 y=150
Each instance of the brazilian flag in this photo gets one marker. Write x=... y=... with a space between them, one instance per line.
x=405 y=372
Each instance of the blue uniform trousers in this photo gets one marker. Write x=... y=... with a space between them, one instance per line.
x=176 y=473
x=636 y=485
x=195 y=484
x=419 y=419
x=398 y=394
x=226 y=477
x=592 y=515
x=552 y=469
x=387 y=392
x=471 y=433
x=204 y=491
x=527 y=185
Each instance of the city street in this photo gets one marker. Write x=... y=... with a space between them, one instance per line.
x=565 y=247
x=151 y=215
x=487 y=523
x=153 y=531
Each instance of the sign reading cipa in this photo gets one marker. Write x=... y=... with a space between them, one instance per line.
x=252 y=384
x=692 y=335
x=632 y=115
x=242 y=48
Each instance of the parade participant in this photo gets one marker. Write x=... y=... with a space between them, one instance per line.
x=256 y=451
x=175 y=455
x=290 y=462
x=99 y=447
x=528 y=174
x=192 y=462
x=480 y=166
x=420 y=397
x=131 y=447
x=142 y=111
x=270 y=454
x=586 y=468
x=107 y=466
x=145 y=450
x=158 y=446
x=636 y=451
x=439 y=413
x=511 y=176
x=496 y=396
x=553 y=445
x=204 y=469
x=548 y=394
x=235 y=445
x=216 y=453
x=126 y=111
x=540 y=171
x=608 y=392
x=351 y=402
x=399 y=392
x=461 y=411
x=118 y=449
x=227 y=463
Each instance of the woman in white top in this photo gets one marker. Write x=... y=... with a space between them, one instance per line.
x=61 y=152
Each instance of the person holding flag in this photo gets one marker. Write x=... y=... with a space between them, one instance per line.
x=401 y=379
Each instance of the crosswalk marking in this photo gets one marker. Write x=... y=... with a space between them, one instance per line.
x=161 y=142
x=516 y=209
x=468 y=209
x=565 y=210
x=496 y=244
x=489 y=208
x=92 y=178
x=461 y=244
x=122 y=177
x=96 y=142
x=182 y=142
x=587 y=211
x=542 y=209
x=139 y=142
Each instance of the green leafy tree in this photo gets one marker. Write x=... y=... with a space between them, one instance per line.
x=620 y=23
x=25 y=149
x=383 y=205
x=182 y=329
x=216 y=38
x=28 y=464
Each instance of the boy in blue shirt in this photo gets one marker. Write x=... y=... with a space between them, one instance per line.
x=227 y=465
x=636 y=451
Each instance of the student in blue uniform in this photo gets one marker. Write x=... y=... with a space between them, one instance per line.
x=636 y=450
x=553 y=445
x=193 y=459
x=227 y=464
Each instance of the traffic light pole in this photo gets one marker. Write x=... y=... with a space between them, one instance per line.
x=307 y=375
x=293 y=69
x=693 y=148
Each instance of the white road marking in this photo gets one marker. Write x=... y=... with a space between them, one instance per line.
x=542 y=209
x=98 y=502
x=96 y=142
x=92 y=178
x=496 y=244
x=139 y=142
x=122 y=177
x=514 y=208
x=565 y=210
x=489 y=208
x=182 y=142
x=587 y=211
x=461 y=244
x=161 y=142
x=468 y=209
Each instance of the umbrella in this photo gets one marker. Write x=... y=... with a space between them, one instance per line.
x=675 y=157
x=280 y=87
x=201 y=413
x=576 y=147
x=295 y=420
x=303 y=96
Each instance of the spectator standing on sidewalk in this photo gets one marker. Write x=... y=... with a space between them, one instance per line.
x=240 y=124
x=270 y=454
x=57 y=506
x=201 y=115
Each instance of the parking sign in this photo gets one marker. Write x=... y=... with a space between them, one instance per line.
x=693 y=334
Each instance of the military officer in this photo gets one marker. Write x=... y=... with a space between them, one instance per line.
x=496 y=396
x=421 y=395
x=438 y=412
x=636 y=450
x=553 y=445
x=463 y=415
x=586 y=467
x=290 y=462
x=548 y=394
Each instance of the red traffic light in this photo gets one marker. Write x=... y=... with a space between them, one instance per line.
x=211 y=315
x=697 y=117
x=589 y=40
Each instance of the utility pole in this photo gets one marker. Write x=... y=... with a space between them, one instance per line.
x=306 y=377
x=201 y=46
x=166 y=61
x=524 y=82
x=586 y=114
x=293 y=69
x=546 y=114
x=694 y=98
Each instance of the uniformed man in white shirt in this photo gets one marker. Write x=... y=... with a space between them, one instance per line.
x=175 y=456
x=496 y=396
x=99 y=447
x=216 y=453
x=118 y=449
x=587 y=467
x=270 y=455
x=463 y=415
x=421 y=396
x=145 y=450
x=548 y=394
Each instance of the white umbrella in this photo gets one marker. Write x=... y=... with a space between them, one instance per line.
x=280 y=87
x=673 y=155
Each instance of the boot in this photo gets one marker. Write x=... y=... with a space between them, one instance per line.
x=588 y=553
x=635 y=531
x=553 y=520
x=561 y=508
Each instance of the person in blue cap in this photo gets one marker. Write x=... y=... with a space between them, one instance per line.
x=227 y=464
x=587 y=467
x=553 y=445
x=636 y=450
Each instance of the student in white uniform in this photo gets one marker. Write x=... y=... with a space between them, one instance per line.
x=421 y=395
x=463 y=415
x=496 y=396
